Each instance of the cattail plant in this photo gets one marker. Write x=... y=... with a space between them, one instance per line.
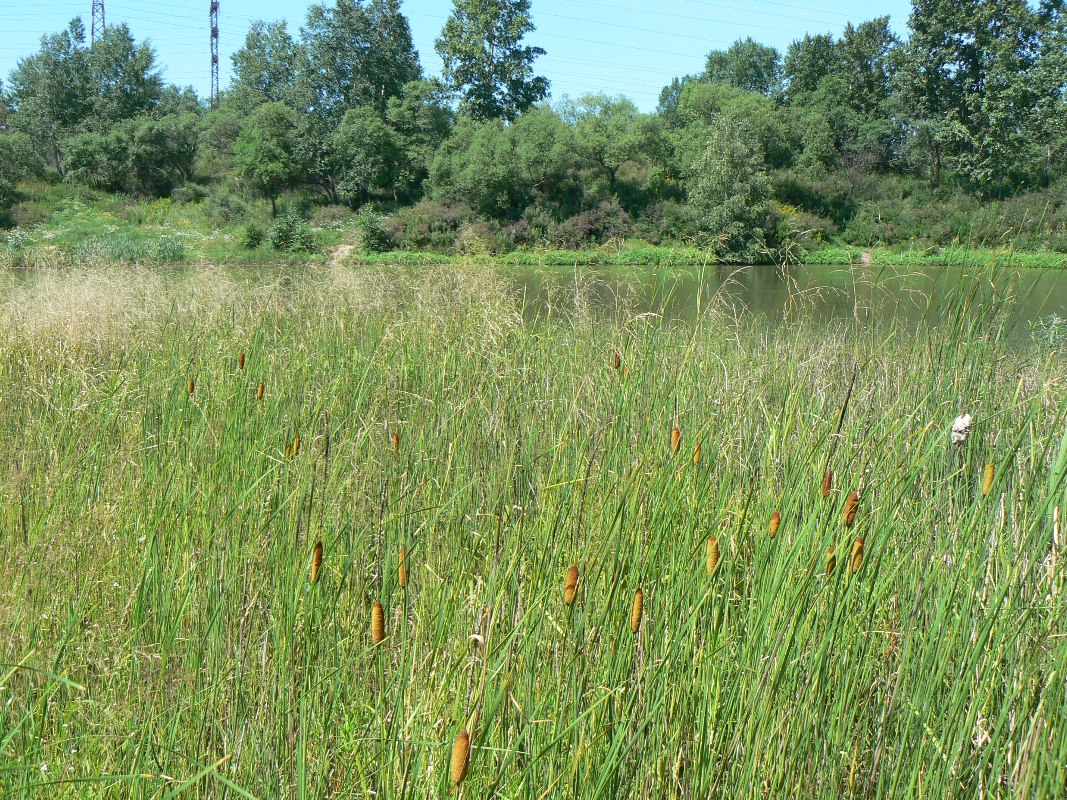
x=241 y=360
x=676 y=439
x=461 y=757
x=396 y=442
x=857 y=554
x=697 y=455
x=626 y=373
x=192 y=386
x=377 y=623
x=776 y=521
x=713 y=554
x=316 y=561
x=827 y=482
x=296 y=445
x=616 y=359
x=831 y=562
x=848 y=513
x=402 y=567
x=259 y=391
x=988 y=474
x=570 y=585
x=637 y=611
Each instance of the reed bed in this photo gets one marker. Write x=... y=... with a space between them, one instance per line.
x=184 y=610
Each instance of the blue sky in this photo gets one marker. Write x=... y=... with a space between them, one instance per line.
x=627 y=47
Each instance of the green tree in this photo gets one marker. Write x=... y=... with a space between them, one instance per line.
x=356 y=54
x=974 y=87
x=17 y=162
x=731 y=191
x=477 y=165
x=265 y=67
x=485 y=62
x=746 y=64
x=808 y=61
x=125 y=80
x=422 y=119
x=367 y=152
x=547 y=159
x=608 y=134
x=51 y=91
x=266 y=153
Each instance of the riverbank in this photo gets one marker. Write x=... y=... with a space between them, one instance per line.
x=69 y=231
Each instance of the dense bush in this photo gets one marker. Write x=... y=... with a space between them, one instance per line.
x=291 y=234
x=251 y=236
x=374 y=236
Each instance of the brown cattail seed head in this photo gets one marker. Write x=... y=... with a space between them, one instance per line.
x=241 y=360
x=831 y=562
x=848 y=513
x=988 y=474
x=626 y=373
x=676 y=439
x=637 y=611
x=377 y=623
x=461 y=758
x=857 y=554
x=570 y=585
x=396 y=442
x=713 y=554
x=776 y=521
x=192 y=386
x=827 y=482
x=697 y=455
x=316 y=561
x=616 y=359
x=296 y=445
x=259 y=391
x=403 y=569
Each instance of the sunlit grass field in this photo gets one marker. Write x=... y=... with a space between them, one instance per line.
x=162 y=635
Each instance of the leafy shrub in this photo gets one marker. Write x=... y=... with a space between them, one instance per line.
x=291 y=234
x=251 y=236
x=224 y=207
x=605 y=221
x=332 y=216
x=189 y=193
x=373 y=235
x=430 y=225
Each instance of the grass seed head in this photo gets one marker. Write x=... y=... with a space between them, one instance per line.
x=316 y=561
x=259 y=391
x=676 y=439
x=697 y=455
x=827 y=482
x=402 y=568
x=988 y=474
x=713 y=554
x=637 y=611
x=570 y=585
x=377 y=623
x=241 y=360
x=461 y=758
x=831 y=562
x=848 y=513
x=776 y=521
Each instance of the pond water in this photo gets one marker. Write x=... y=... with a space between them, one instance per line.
x=862 y=294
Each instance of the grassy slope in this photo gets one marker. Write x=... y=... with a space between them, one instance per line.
x=155 y=590
x=89 y=228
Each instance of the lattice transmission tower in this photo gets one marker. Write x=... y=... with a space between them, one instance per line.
x=98 y=21
x=214 y=52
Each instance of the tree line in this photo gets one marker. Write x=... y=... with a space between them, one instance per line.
x=865 y=136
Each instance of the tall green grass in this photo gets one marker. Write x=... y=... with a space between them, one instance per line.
x=162 y=639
